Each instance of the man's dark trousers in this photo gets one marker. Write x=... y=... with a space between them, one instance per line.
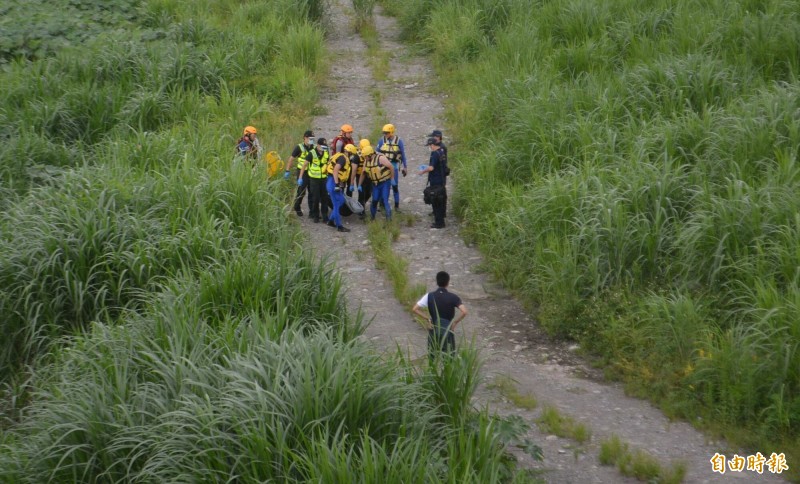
x=318 y=195
x=440 y=338
x=439 y=206
x=301 y=191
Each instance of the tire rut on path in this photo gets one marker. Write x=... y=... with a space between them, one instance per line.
x=510 y=341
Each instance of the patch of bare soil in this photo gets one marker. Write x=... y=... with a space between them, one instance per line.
x=510 y=341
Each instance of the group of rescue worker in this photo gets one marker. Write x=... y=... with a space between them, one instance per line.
x=327 y=171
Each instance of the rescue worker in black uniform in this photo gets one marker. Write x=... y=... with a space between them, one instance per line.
x=437 y=178
x=298 y=155
x=315 y=164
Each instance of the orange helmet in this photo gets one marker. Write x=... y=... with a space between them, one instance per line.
x=249 y=130
x=346 y=128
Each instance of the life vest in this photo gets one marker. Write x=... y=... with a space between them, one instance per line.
x=345 y=141
x=250 y=151
x=316 y=167
x=303 y=153
x=377 y=172
x=344 y=171
x=391 y=149
x=360 y=168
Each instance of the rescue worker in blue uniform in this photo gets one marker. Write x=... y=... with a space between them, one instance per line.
x=338 y=169
x=391 y=146
x=381 y=172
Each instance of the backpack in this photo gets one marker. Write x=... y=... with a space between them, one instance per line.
x=443 y=160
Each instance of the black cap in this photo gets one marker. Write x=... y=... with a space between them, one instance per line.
x=432 y=141
x=308 y=134
x=436 y=133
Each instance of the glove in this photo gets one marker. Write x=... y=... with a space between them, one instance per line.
x=299 y=182
x=337 y=189
x=353 y=188
x=286 y=175
x=360 y=189
x=404 y=171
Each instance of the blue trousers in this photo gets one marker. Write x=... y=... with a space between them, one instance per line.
x=396 y=185
x=381 y=192
x=338 y=200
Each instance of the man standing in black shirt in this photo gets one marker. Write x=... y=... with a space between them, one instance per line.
x=436 y=178
x=441 y=306
x=298 y=155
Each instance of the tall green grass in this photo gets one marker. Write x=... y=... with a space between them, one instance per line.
x=182 y=393
x=250 y=370
x=115 y=168
x=634 y=172
x=83 y=98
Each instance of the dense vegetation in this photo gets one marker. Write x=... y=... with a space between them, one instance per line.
x=633 y=168
x=160 y=320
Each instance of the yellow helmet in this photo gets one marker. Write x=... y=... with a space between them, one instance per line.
x=367 y=150
x=249 y=130
x=388 y=128
x=363 y=143
x=346 y=128
x=351 y=148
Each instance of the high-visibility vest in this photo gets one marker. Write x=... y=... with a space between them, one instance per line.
x=316 y=167
x=344 y=171
x=301 y=158
x=377 y=172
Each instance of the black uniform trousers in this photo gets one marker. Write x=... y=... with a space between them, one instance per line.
x=439 y=206
x=365 y=194
x=318 y=197
x=301 y=191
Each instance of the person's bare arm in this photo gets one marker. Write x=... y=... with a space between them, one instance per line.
x=383 y=161
x=353 y=170
x=424 y=315
x=463 y=314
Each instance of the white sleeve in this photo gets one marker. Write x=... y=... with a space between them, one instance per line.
x=423 y=303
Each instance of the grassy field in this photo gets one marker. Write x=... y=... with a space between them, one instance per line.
x=161 y=321
x=633 y=168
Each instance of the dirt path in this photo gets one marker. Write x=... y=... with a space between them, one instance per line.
x=511 y=343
